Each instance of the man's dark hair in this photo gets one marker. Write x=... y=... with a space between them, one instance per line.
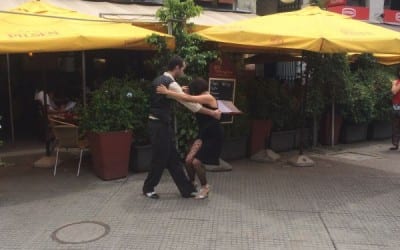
x=198 y=86
x=175 y=61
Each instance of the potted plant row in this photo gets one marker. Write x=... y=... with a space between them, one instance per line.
x=366 y=109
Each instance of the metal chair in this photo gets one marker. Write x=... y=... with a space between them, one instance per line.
x=67 y=137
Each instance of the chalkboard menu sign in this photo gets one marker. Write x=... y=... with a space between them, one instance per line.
x=223 y=89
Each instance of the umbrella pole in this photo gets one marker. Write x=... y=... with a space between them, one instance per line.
x=303 y=109
x=10 y=99
x=302 y=160
x=84 y=78
x=303 y=118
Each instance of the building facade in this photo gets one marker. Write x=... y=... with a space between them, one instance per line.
x=228 y=5
x=265 y=7
x=374 y=11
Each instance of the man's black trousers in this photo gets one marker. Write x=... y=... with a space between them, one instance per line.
x=165 y=155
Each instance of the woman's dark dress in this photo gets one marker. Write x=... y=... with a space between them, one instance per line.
x=211 y=134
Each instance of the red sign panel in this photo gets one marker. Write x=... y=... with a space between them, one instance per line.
x=222 y=68
x=392 y=17
x=360 y=13
x=332 y=3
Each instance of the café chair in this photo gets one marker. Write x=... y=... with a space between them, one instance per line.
x=67 y=137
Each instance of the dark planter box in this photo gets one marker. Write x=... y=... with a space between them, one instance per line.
x=283 y=140
x=234 y=148
x=354 y=133
x=306 y=137
x=140 y=158
x=379 y=130
x=110 y=153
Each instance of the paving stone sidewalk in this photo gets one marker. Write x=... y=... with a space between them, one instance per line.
x=338 y=204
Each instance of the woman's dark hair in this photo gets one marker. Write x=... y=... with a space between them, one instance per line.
x=175 y=61
x=198 y=86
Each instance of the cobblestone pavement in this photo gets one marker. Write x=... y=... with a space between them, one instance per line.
x=338 y=204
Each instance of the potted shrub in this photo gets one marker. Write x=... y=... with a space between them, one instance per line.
x=108 y=120
x=381 y=127
x=141 y=151
x=286 y=117
x=263 y=102
x=328 y=76
x=358 y=109
x=236 y=134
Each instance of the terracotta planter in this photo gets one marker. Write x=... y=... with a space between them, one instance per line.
x=110 y=153
x=260 y=131
x=325 y=132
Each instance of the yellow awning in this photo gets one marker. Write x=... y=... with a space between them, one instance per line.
x=40 y=27
x=385 y=59
x=309 y=29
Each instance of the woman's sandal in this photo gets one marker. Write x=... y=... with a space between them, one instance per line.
x=203 y=193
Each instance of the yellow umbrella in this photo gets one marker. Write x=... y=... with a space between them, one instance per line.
x=384 y=59
x=387 y=59
x=309 y=29
x=40 y=27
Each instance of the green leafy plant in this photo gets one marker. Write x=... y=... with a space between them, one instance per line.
x=358 y=107
x=328 y=76
x=377 y=79
x=119 y=104
x=382 y=86
x=270 y=100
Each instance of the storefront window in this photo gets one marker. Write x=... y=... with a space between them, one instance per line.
x=392 y=4
x=387 y=4
x=216 y=4
x=284 y=7
x=356 y=3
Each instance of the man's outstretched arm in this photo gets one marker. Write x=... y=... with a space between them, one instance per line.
x=194 y=107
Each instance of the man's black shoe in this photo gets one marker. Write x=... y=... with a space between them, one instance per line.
x=394 y=148
x=151 y=195
x=191 y=195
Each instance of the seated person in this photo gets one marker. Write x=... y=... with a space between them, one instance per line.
x=52 y=107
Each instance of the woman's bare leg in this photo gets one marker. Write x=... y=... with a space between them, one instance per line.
x=200 y=171
x=190 y=157
x=201 y=174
